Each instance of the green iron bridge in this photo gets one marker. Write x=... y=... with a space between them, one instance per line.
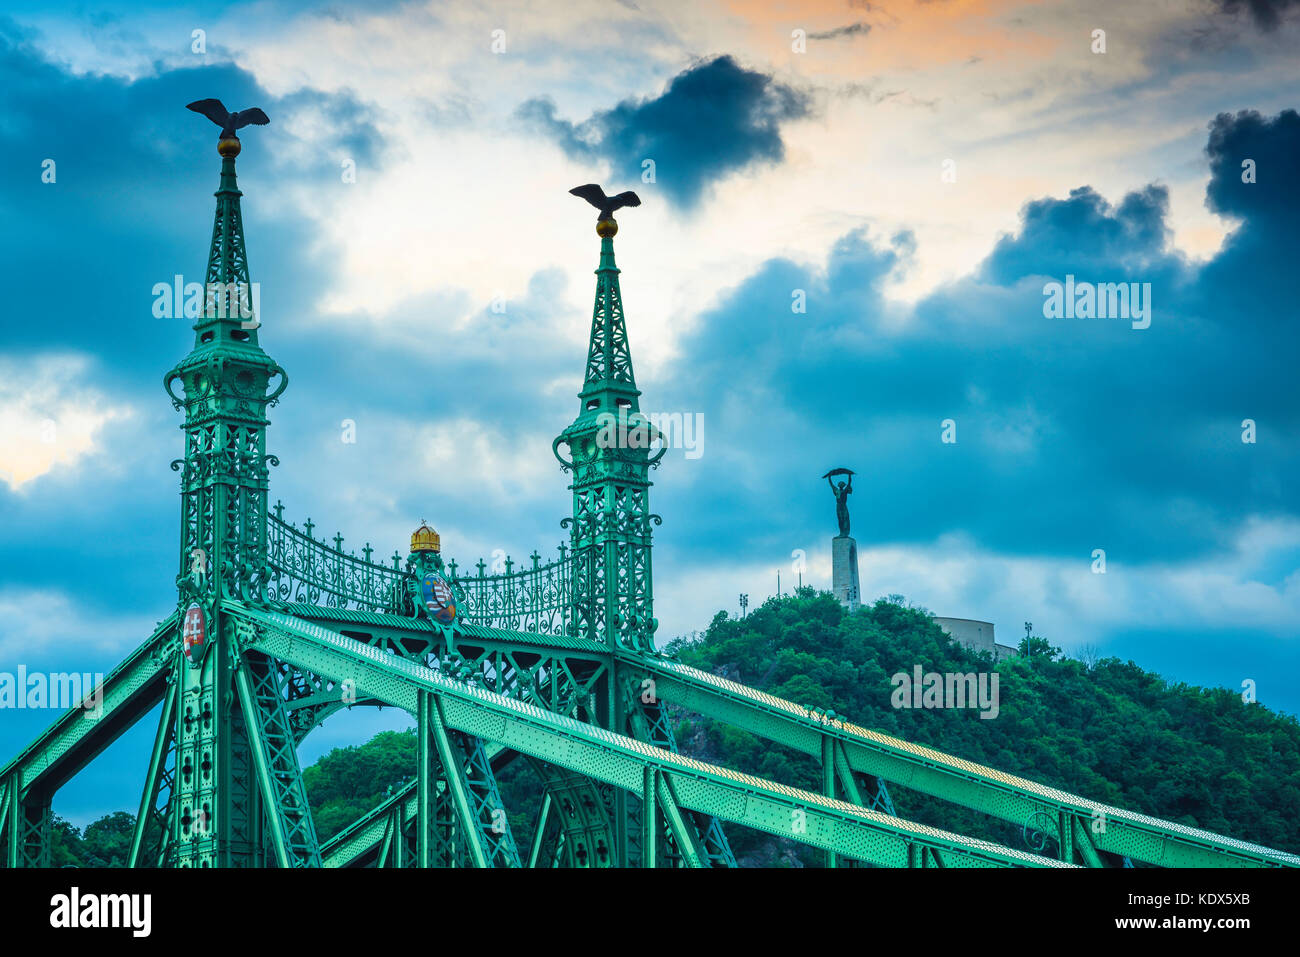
x=553 y=664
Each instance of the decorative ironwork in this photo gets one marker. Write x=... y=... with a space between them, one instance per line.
x=307 y=570
x=1040 y=829
x=536 y=599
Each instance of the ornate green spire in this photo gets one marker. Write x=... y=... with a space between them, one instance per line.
x=228 y=316
x=609 y=374
x=226 y=383
x=610 y=459
x=226 y=388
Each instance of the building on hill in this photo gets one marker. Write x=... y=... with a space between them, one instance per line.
x=976 y=635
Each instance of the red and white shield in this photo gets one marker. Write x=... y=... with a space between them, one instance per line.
x=194 y=634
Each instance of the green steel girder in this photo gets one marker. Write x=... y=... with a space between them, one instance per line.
x=568 y=802
x=474 y=791
x=1087 y=850
x=923 y=769
x=149 y=838
x=400 y=845
x=426 y=785
x=421 y=635
x=28 y=826
x=539 y=829
x=517 y=664
x=287 y=811
x=486 y=805
x=650 y=817
x=359 y=839
x=9 y=834
x=831 y=860
x=582 y=820
x=557 y=673
x=398 y=839
x=880 y=799
x=648 y=721
x=605 y=756
x=75 y=739
x=686 y=838
x=25 y=826
x=391 y=849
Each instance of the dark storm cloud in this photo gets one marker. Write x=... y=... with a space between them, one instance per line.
x=1267 y=14
x=123 y=209
x=1252 y=278
x=1080 y=232
x=713 y=119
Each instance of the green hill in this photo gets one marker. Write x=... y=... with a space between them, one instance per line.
x=1108 y=730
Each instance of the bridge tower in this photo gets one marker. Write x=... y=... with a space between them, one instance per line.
x=610 y=459
x=610 y=540
x=211 y=818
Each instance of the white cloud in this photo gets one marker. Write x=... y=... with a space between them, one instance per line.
x=48 y=623
x=47 y=419
x=1068 y=604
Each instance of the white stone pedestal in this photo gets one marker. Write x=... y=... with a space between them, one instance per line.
x=844 y=571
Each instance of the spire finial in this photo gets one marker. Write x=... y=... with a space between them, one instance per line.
x=228 y=146
x=608 y=385
x=606 y=225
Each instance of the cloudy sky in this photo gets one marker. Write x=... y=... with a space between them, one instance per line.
x=916 y=172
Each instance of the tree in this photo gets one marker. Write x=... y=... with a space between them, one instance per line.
x=107 y=842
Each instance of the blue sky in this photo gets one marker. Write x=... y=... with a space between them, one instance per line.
x=775 y=171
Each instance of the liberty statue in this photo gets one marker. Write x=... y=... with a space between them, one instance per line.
x=841 y=491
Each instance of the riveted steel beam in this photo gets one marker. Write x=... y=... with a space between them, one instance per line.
x=455 y=779
x=275 y=759
x=150 y=821
x=923 y=769
x=539 y=832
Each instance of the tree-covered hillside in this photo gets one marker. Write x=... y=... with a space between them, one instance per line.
x=1107 y=730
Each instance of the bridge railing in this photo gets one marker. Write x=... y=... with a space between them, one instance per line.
x=305 y=569
x=536 y=598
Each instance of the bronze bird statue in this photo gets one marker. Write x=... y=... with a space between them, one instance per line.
x=229 y=122
x=606 y=204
